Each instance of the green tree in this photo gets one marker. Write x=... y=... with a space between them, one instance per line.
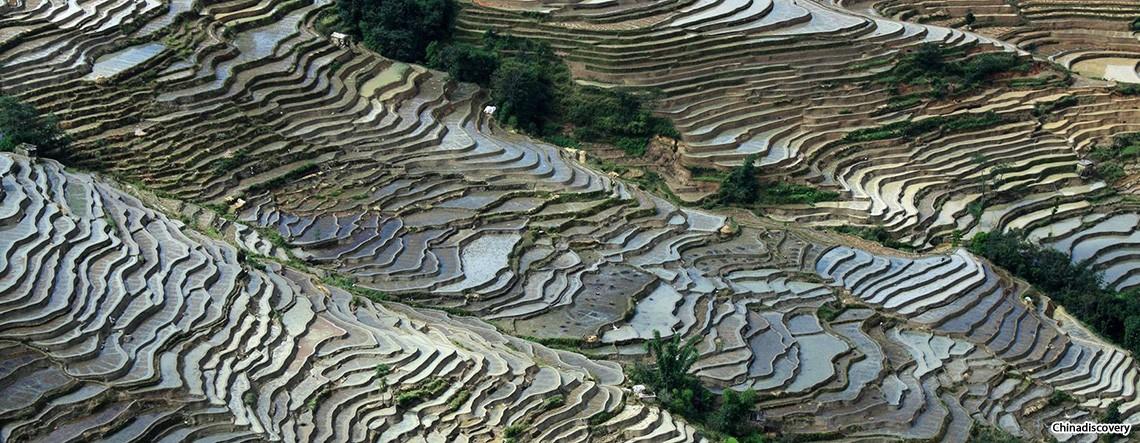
x=673 y=360
x=740 y=186
x=398 y=29
x=463 y=62
x=1132 y=332
x=22 y=123
x=522 y=94
x=733 y=415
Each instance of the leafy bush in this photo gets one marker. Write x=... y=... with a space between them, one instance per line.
x=930 y=64
x=513 y=431
x=877 y=233
x=535 y=92
x=1110 y=171
x=603 y=114
x=740 y=186
x=911 y=128
x=981 y=67
x=988 y=434
x=790 y=193
x=22 y=123
x=1135 y=25
x=733 y=415
x=681 y=392
x=1059 y=397
x=294 y=174
x=522 y=93
x=459 y=399
x=1076 y=286
x=463 y=62
x=634 y=147
x=1128 y=88
x=1041 y=109
x=399 y=29
x=427 y=389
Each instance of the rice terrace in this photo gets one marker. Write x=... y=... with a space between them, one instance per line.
x=722 y=221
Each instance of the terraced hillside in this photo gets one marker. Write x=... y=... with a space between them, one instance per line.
x=1093 y=37
x=120 y=324
x=253 y=155
x=790 y=81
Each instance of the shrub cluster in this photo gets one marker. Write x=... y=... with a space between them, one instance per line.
x=534 y=91
x=741 y=187
x=1128 y=88
x=529 y=84
x=399 y=29
x=681 y=392
x=878 y=234
x=429 y=388
x=22 y=123
x=1076 y=286
x=1109 y=159
x=913 y=128
x=934 y=66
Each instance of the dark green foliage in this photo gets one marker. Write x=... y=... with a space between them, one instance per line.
x=987 y=434
x=681 y=392
x=1128 y=88
x=1132 y=332
x=553 y=401
x=349 y=285
x=1109 y=171
x=283 y=180
x=1135 y=25
x=911 y=128
x=522 y=93
x=562 y=140
x=464 y=62
x=981 y=67
x=669 y=376
x=830 y=311
x=944 y=71
x=878 y=234
x=427 y=389
x=782 y=193
x=534 y=91
x=1077 y=286
x=459 y=399
x=634 y=147
x=970 y=18
x=21 y=123
x=754 y=438
x=1112 y=413
x=1042 y=109
x=733 y=417
x=1059 y=398
x=901 y=102
x=602 y=114
x=399 y=29
x=740 y=186
x=1124 y=148
x=708 y=174
x=672 y=359
x=602 y=417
